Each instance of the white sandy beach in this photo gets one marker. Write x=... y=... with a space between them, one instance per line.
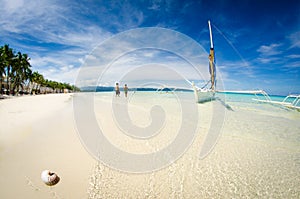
x=257 y=154
x=37 y=133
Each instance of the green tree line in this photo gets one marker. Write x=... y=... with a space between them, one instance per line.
x=17 y=77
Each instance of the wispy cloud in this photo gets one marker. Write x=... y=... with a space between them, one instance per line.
x=46 y=22
x=19 y=16
x=269 y=54
x=117 y=16
x=266 y=60
x=130 y=50
x=59 y=66
x=269 y=50
x=293 y=65
x=293 y=56
x=295 y=40
x=58 y=37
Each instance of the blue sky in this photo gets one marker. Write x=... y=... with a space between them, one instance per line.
x=257 y=42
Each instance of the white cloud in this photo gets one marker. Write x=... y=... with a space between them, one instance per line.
x=295 y=40
x=57 y=37
x=265 y=60
x=155 y=6
x=240 y=69
x=269 y=50
x=59 y=66
x=12 y=5
x=25 y=17
x=293 y=56
x=61 y=38
x=293 y=65
x=120 y=15
x=60 y=75
x=125 y=52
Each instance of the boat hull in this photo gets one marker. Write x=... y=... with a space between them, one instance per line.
x=202 y=96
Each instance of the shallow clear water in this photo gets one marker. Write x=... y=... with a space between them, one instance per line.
x=257 y=154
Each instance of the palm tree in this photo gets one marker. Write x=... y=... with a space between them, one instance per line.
x=20 y=71
x=26 y=69
x=7 y=57
x=2 y=68
x=15 y=72
x=39 y=80
x=35 y=77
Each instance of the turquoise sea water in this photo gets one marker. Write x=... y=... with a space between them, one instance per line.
x=230 y=98
x=237 y=97
x=249 y=100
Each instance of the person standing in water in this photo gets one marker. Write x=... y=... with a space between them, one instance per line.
x=125 y=90
x=117 y=89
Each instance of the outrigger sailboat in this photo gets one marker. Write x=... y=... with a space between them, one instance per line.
x=207 y=94
x=290 y=101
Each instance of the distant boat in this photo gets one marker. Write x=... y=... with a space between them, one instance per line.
x=205 y=94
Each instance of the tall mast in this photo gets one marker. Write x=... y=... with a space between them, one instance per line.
x=212 y=67
x=210 y=35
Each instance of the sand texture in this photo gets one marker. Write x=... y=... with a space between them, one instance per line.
x=257 y=154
